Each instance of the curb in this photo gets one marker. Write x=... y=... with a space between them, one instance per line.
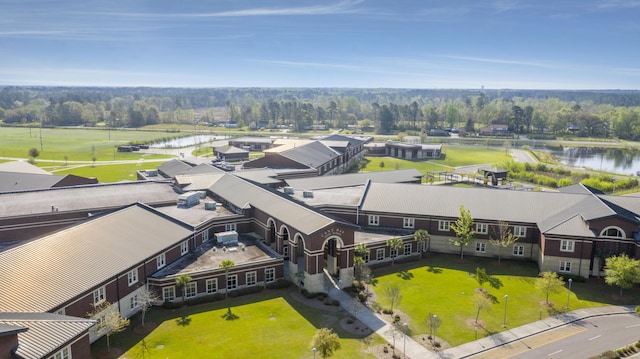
x=629 y=310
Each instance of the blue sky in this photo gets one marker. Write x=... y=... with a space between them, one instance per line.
x=528 y=44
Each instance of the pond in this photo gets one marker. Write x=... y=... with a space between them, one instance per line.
x=187 y=141
x=617 y=160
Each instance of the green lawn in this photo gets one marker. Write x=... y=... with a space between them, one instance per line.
x=442 y=284
x=267 y=325
x=454 y=156
x=76 y=144
x=105 y=173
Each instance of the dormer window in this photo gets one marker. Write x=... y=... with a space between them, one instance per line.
x=612 y=232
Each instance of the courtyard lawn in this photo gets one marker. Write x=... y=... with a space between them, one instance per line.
x=444 y=285
x=268 y=325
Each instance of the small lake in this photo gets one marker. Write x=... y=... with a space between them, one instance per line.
x=188 y=141
x=617 y=160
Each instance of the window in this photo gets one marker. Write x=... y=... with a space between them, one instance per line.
x=251 y=279
x=98 y=296
x=374 y=220
x=482 y=228
x=443 y=226
x=518 y=250
x=408 y=222
x=380 y=254
x=232 y=282
x=565 y=267
x=519 y=231
x=421 y=246
x=212 y=285
x=613 y=232
x=230 y=227
x=567 y=245
x=132 y=276
x=285 y=251
x=481 y=247
x=191 y=289
x=65 y=353
x=365 y=258
x=407 y=249
x=133 y=302
x=168 y=294
x=392 y=253
x=184 y=248
x=205 y=235
x=161 y=261
x=269 y=275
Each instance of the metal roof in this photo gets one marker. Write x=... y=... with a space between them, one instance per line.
x=22 y=167
x=17 y=181
x=88 y=197
x=313 y=154
x=45 y=273
x=354 y=179
x=46 y=334
x=173 y=167
x=243 y=194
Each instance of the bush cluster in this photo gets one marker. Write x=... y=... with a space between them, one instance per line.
x=245 y=291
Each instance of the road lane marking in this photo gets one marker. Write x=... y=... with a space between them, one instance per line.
x=632 y=326
x=554 y=353
x=596 y=337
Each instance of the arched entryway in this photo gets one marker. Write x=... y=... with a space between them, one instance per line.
x=271 y=233
x=299 y=252
x=331 y=254
x=284 y=244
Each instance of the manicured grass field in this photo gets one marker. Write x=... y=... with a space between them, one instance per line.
x=76 y=144
x=443 y=284
x=454 y=156
x=268 y=325
x=105 y=173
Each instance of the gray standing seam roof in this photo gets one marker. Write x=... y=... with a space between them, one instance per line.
x=313 y=154
x=61 y=266
x=243 y=194
x=354 y=179
x=46 y=334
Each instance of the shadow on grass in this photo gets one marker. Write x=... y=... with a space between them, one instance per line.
x=434 y=270
x=229 y=315
x=404 y=274
x=183 y=321
x=495 y=282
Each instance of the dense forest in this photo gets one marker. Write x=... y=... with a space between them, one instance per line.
x=536 y=113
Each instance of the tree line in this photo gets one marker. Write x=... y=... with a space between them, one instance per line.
x=539 y=113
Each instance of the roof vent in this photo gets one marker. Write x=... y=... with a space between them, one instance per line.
x=307 y=194
x=288 y=190
x=210 y=206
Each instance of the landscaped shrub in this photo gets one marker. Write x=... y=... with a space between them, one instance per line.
x=279 y=284
x=245 y=291
x=171 y=305
x=362 y=296
x=205 y=299
x=564 y=182
x=309 y=295
x=387 y=311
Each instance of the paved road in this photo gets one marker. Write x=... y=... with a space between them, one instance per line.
x=584 y=338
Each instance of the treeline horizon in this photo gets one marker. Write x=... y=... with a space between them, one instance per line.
x=542 y=113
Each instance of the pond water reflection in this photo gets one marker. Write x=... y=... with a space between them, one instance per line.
x=617 y=160
x=187 y=141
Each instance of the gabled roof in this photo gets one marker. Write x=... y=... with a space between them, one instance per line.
x=313 y=154
x=46 y=334
x=203 y=168
x=197 y=182
x=353 y=141
x=173 y=167
x=243 y=194
x=18 y=181
x=580 y=189
x=98 y=197
x=572 y=226
x=231 y=150
x=63 y=265
x=252 y=140
x=265 y=176
x=22 y=167
x=483 y=203
x=355 y=179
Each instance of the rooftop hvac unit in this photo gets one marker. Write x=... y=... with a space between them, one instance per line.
x=202 y=194
x=288 y=190
x=210 y=206
x=307 y=194
x=152 y=173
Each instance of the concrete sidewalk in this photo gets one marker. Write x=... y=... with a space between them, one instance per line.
x=416 y=351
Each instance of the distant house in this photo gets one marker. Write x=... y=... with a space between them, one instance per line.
x=495 y=130
x=231 y=153
x=252 y=143
x=412 y=151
